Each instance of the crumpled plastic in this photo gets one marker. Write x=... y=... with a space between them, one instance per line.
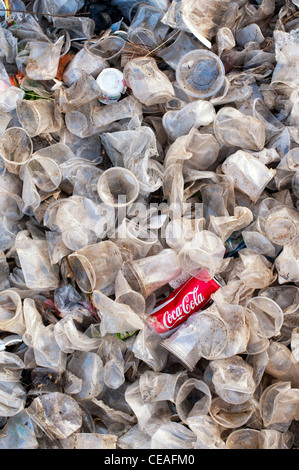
x=109 y=204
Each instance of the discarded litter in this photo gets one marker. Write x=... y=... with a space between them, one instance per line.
x=149 y=227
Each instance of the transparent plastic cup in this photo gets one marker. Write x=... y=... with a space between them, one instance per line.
x=11 y=205
x=149 y=274
x=15 y=148
x=200 y=73
x=88 y=60
x=233 y=128
x=134 y=238
x=81 y=92
x=143 y=36
x=95 y=266
x=3 y=11
x=109 y=48
x=128 y=107
x=79 y=123
x=45 y=172
x=183 y=344
x=193 y=390
x=39 y=116
x=282 y=225
x=202 y=257
x=172 y=54
x=149 y=85
x=118 y=187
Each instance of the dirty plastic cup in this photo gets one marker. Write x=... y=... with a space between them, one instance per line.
x=109 y=48
x=118 y=187
x=200 y=73
x=85 y=60
x=96 y=266
x=15 y=148
x=143 y=36
x=134 y=238
x=152 y=272
x=45 y=172
x=111 y=84
x=282 y=225
x=38 y=116
x=179 y=48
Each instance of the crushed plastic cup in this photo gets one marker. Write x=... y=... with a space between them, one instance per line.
x=9 y=99
x=96 y=266
x=11 y=312
x=146 y=28
x=109 y=48
x=111 y=84
x=15 y=148
x=134 y=238
x=195 y=114
x=46 y=173
x=44 y=59
x=3 y=11
x=104 y=116
x=184 y=403
x=79 y=121
x=77 y=26
x=200 y=73
x=84 y=61
x=249 y=174
x=81 y=92
x=148 y=83
x=233 y=128
x=183 y=44
x=147 y=275
x=112 y=197
x=39 y=116
x=144 y=36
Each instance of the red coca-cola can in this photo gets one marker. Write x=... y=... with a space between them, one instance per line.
x=187 y=299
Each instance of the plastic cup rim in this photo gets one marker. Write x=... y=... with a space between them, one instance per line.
x=123 y=170
x=10 y=162
x=204 y=53
x=92 y=278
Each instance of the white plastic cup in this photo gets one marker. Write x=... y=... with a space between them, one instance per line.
x=111 y=84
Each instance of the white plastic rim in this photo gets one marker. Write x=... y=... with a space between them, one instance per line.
x=110 y=82
x=198 y=56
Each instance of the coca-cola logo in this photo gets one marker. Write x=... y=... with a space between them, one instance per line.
x=190 y=302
